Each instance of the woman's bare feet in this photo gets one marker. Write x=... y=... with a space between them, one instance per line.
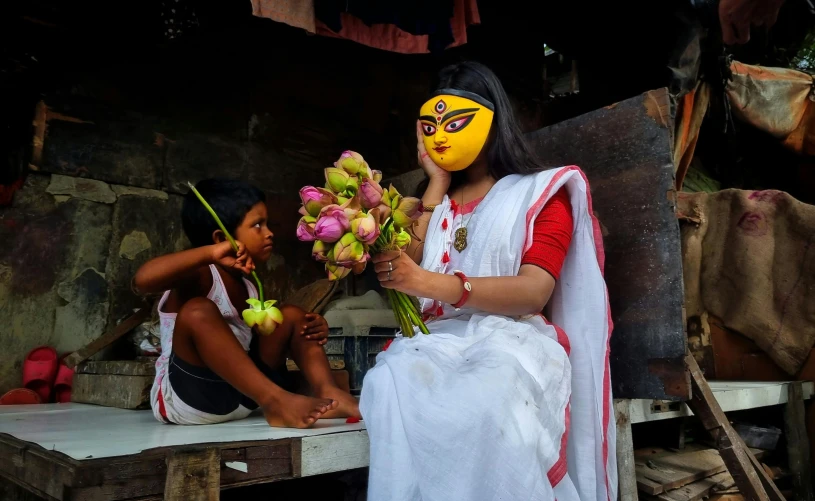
x=347 y=404
x=296 y=411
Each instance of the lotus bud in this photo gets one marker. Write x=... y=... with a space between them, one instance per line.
x=376 y=175
x=351 y=162
x=407 y=212
x=331 y=224
x=320 y=250
x=370 y=194
x=263 y=315
x=336 y=179
x=348 y=250
x=305 y=228
x=336 y=272
x=314 y=199
x=365 y=228
x=401 y=239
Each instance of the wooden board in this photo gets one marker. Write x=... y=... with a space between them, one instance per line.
x=660 y=474
x=329 y=453
x=118 y=367
x=193 y=476
x=661 y=470
x=626 y=152
x=110 y=390
x=697 y=490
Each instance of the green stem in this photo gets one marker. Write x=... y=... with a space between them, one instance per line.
x=410 y=309
x=228 y=237
x=401 y=316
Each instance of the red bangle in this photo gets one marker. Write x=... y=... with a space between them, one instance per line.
x=467 y=288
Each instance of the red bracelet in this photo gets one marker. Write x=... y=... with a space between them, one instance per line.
x=467 y=288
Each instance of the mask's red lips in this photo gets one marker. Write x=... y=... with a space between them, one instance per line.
x=441 y=149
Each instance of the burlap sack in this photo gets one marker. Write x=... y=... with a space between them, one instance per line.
x=749 y=259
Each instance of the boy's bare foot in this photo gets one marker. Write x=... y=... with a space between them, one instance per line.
x=348 y=405
x=296 y=411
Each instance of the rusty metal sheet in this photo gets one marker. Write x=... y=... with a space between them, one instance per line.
x=625 y=150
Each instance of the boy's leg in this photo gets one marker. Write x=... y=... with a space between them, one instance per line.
x=202 y=338
x=310 y=358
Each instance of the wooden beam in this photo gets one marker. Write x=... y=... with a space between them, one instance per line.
x=736 y=456
x=798 y=443
x=107 y=338
x=626 y=472
x=193 y=476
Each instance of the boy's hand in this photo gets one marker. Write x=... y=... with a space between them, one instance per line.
x=315 y=328
x=225 y=255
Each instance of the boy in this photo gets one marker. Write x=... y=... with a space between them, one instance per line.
x=213 y=368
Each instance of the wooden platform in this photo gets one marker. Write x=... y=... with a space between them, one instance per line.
x=85 y=452
x=89 y=453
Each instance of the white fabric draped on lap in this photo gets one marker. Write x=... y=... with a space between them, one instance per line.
x=488 y=407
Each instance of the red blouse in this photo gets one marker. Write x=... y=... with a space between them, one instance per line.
x=551 y=233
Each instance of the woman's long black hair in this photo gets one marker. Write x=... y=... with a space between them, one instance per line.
x=509 y=152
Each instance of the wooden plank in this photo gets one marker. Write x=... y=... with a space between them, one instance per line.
x=626 y=152
x=676 y=470
x=118 y=367
x=124 y=392
x=730 y=396
x=696 y=490
x=337 y=452
x=36 y=470
x=193 y=476
x=734 y=454
x=315 y=296
x=107 y=338
x=798 y=443
x=627 y=490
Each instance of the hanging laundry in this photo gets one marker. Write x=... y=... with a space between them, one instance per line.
x=409 y=33
x=297 y=13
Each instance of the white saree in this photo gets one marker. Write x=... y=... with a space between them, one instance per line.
x=489 y=407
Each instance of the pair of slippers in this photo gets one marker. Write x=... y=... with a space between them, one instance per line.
x=46 y=378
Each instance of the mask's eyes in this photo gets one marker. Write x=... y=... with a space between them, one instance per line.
x=459 y=124
x=428 y=129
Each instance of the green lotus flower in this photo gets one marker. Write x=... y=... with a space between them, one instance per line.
x=264 y=316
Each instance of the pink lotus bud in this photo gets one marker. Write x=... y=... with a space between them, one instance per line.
x=336 y=179
x=305 y=228
x=407 y=212
x=336 y=272
x=320 y=251
x=314 y=199
x=365 y=228
x=348 y=250
x=351 y=161
x=370 y=194
x=331 y=224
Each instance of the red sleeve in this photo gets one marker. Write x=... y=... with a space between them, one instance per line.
x=551 y=234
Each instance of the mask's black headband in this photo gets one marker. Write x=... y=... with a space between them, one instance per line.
x=467 y=95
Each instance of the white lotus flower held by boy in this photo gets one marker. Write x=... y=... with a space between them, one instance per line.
x=263 y=315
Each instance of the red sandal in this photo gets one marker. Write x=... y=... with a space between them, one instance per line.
x=62 y=383
x=39 y=371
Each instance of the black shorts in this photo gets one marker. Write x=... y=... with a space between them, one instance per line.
x=205 y=391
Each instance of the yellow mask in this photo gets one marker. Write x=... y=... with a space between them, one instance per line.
x=456 y=125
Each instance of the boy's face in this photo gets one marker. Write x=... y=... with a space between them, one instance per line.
x=254 y=233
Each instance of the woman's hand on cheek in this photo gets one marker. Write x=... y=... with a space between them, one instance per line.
x=396 y=270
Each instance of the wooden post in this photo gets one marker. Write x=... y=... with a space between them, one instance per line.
x=751 y=480
x=193 y=476
x=626 y=471
x=798 y=443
